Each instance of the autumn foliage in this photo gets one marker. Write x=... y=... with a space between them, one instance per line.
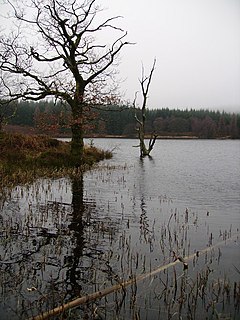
x=55 y=119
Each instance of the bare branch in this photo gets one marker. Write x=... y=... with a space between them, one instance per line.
x=148 y=79
x=58 y=56
x=145 y=82
x=110 y=56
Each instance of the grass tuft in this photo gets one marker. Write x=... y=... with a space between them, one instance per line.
x=24 y=158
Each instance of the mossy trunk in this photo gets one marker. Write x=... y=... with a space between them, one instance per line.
x=143 y=149
x=77 y=145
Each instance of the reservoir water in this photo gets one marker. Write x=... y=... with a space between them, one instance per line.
x=70 y=237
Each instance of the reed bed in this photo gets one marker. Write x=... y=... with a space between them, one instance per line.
x=61 y=241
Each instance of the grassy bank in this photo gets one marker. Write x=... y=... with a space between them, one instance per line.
x=24 y=158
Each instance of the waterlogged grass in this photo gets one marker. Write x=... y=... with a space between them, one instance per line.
x=92 y=234
x=59 y=242
x=23 y=158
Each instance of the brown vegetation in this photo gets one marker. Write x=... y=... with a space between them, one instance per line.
x=25 y=157
x=76 y=67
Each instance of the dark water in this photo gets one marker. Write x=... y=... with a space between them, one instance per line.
x=73 y=236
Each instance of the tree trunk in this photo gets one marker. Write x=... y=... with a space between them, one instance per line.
x=145 y=151
x=145 y=83
x=77 y=145
x=141 y=135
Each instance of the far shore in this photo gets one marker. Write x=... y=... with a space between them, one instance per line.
x=34 y=131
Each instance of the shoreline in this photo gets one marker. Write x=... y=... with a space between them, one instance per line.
x=177 y=136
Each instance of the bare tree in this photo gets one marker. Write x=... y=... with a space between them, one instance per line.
x=145 y=82
x=61 y=57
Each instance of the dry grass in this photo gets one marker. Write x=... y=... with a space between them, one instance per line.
x=23 y=158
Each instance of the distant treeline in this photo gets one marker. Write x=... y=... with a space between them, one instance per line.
x=120 y=121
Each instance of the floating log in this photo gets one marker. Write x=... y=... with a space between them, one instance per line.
x=99 y=294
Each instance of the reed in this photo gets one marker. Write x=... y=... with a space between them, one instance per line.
x=87 y=260
x=24 y=158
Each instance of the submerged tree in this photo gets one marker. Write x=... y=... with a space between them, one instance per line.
x=54 y=53
x=145 y=82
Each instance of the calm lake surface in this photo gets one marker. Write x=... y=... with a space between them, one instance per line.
x=69 y=237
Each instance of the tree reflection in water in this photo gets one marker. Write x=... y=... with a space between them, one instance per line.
x=65 y=238
x=77 y=226
x=42 y=243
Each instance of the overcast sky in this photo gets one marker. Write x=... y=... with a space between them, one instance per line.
x=197 y=47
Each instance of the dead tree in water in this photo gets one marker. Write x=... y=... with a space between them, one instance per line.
x=145 y=82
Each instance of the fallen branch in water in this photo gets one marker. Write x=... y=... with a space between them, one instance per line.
x=99 y=294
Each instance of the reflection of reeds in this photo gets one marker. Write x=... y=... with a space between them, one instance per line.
x=119 y=264
x=183 y=299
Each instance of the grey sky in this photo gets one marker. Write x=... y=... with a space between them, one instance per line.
x=197 y=47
